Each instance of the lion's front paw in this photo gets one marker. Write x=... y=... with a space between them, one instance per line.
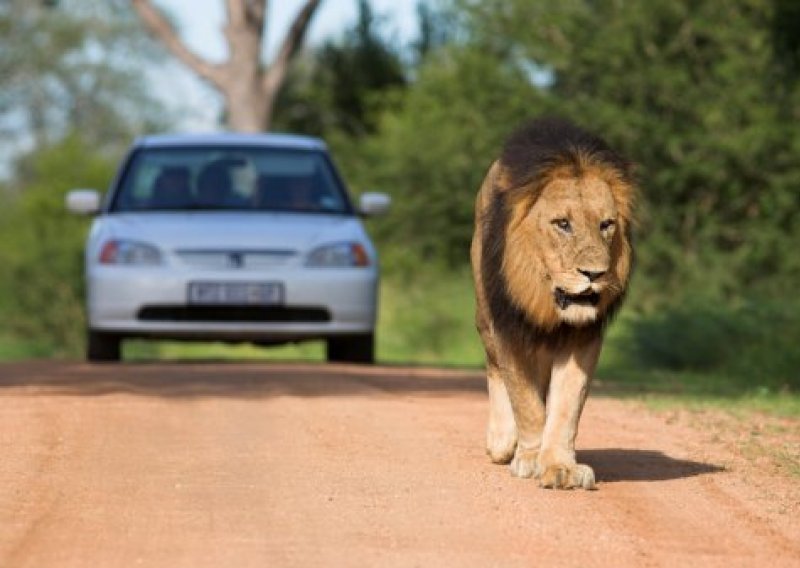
x=524 y=463
x=561 y=476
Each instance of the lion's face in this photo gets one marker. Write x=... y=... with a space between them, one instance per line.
x=567 y=258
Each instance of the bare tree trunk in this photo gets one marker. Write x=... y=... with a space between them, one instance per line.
x=247 y=108
x=248 y=88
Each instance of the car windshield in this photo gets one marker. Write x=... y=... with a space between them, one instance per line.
x=230 y=178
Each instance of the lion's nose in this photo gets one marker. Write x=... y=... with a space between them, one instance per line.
x=592 y=275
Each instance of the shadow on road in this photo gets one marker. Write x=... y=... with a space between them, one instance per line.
x=619 y=464
x=246 y=380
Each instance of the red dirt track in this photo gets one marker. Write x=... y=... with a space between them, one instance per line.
x=211 y=465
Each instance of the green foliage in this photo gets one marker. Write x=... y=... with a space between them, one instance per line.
x=697 y=105
x=428 y=316
x=339 y=88
x=691 y=101
x=437 y=28
x=786 y=39
x=432 y=154
x=74 y=65
x=42 y=245
x=753 y=344
x=67 y=66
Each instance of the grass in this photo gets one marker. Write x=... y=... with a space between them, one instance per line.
x=681 y=391
x=178 y=351
x=624 y=375
x=13 y=349
x=429 y=319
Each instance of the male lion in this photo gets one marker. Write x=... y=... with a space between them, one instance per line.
x=551 y=257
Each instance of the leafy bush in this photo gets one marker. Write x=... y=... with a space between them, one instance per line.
x=428 y=317
x=42 y=281
x=754 y=342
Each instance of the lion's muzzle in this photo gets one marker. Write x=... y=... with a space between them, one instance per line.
x=564 y=300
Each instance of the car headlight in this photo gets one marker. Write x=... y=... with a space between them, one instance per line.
x=338 y=255
x=130 y=253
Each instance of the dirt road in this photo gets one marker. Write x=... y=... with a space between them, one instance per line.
x=201 y=465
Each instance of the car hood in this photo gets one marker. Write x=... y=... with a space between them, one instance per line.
x=226 y=230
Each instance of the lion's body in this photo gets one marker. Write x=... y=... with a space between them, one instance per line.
x=551 y=257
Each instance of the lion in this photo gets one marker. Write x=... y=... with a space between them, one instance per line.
x=551 y=259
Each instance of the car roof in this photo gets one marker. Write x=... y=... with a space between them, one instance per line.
x=231 y=138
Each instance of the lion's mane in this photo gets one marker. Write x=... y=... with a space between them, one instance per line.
x=534 y=155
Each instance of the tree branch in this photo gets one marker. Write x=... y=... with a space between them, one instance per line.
x=255 y=11
x=250 y=11
x=234 y=9
x=160 y=28
x=291 y=43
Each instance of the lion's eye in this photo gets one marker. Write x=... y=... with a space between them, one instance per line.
x=563 y=224
x=607 y=224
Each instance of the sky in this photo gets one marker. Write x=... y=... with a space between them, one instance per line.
x=200 y=24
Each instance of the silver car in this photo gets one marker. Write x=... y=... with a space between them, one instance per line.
x=230 y=237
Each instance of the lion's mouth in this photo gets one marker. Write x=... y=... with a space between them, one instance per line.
x=564 y=300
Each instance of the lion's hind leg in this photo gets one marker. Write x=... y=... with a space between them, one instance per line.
x=526 y=378
x=501 y=434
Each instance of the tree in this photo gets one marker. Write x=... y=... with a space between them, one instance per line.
x=67 y=66
x=248 y=88
x=41 y=247
x=432 y=151
x=693 y=103
x=341 y=86
x=437 y=29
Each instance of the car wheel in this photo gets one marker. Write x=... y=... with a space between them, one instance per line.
x=103 y=347
x=352 y=349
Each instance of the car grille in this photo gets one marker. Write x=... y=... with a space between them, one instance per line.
x=235 y=259
x=252 y=314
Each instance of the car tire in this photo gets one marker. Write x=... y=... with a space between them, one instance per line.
x=352 y=349
x=103 y=347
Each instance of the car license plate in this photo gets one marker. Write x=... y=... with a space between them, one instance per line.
x=239 y=293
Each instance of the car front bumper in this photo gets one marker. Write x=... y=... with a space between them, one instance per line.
x=152 y=302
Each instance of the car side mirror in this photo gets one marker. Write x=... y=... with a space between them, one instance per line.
x=83 y=201
x=372 y=203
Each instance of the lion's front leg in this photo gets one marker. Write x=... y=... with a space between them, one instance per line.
x=556 y=466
